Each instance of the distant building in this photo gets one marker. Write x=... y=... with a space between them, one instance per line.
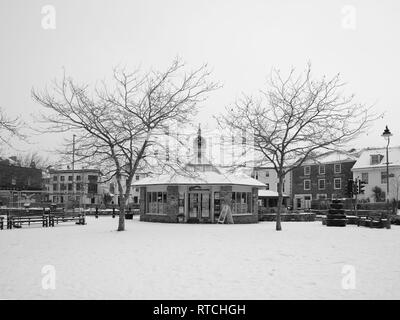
x=82 y=186
x=15 y=177
x=19 y=185
x=371 y=169
x=324 y=177
x=269 y=177
x=111 y=188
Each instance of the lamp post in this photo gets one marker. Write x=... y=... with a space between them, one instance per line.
x=387 y=134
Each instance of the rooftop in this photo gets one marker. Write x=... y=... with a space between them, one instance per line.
x=364 y=161
x=332 y=157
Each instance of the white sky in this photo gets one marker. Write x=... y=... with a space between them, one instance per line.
x=240 y=40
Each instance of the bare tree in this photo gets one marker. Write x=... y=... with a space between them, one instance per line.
x=115 y=127
x=33 y=159
x=297 y=117
x=9 y=127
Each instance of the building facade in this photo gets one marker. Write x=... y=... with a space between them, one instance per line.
x=269 y=177
x=199 y=194
x=324 y=177
x=111 y=188
x=20 y=185
x=15 y=177
x=371 y=169
x=82 y=187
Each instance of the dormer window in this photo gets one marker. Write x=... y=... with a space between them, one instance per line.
x=376 y=159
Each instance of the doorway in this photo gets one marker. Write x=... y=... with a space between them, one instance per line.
x=199 y=205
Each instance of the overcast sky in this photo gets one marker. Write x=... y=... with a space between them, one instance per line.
x=240 y=40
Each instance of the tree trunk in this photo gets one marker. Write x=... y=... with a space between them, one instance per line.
x=280 y=198
x=122 y=200
x=121 y=218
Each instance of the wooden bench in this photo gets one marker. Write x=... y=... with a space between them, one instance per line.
x=16 y=221
x=78 y=218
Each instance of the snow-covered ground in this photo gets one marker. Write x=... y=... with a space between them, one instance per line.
x=184 y=261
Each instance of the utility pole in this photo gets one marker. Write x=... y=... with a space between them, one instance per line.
x=387 y=134
x=73 y=173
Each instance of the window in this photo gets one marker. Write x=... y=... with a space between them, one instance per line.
x=78 y=178
x=321 y=196
x=112 y=188
x=321 y=184
x=69 y=186
x=241 y=202
x=135 y=200
x=267 y=173
x=78 y=186
x=62 y=178
x=383 y=177
x=69 y=178
x=322 y=169
x=55 y=186
x=307 y=170
x=338 y=168
x=307 y=184
x=364 y=177
x=137 y=177
x=376 y=159
x=256 y=175
x=156 y=202
x=13 y=180
x=92 y=187
x=337 y=183
x=54 y=178
x=92 y=178
x=267 y=186
x=62 y=187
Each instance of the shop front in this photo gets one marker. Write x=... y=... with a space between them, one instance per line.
x=198 y=203
x=199 y=193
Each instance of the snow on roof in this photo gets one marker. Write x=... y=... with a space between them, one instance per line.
x=270 y=194
x=364 y=161
x=332 y=157
x=199 y=178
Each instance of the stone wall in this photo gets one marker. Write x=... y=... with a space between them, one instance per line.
x=158 y=218
x=173 y=202
x=288 y=217
x=245 y=218
x=142 y=200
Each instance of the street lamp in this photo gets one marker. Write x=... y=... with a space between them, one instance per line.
x=387 y=134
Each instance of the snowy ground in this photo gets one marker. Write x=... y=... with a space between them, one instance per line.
x=183 y=261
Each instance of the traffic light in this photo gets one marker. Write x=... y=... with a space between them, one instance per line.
x=355 y=187
x=361 y=187
x=349 y=189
